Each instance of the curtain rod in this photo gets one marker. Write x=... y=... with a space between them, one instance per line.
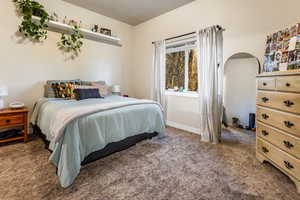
x=191 y=33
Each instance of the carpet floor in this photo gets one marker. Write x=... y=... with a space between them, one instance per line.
x=177 y=167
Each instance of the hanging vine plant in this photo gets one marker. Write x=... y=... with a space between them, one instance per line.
x=33 y=29
x=71 y=43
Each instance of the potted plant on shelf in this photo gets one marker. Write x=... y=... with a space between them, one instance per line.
x=71 y=43
x=30 y=28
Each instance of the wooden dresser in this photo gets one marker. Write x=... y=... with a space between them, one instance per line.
x=278 y=122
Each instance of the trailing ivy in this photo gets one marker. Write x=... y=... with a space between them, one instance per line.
x=71 y=43
x=29 y=27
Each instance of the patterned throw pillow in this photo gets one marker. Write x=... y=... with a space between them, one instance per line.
x=49 y=90
x=64 y=90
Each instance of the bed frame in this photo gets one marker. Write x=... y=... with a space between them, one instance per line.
x=108 y=149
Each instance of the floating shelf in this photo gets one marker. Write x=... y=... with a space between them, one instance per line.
x=60 y=27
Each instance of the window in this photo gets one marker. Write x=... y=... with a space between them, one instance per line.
x=181 y=67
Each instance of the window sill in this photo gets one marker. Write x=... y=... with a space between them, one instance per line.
x=182 y=94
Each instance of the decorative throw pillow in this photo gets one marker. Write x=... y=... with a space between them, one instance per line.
x=103 y=89
x=49 y=90
x=64 y=90
x=91 y=93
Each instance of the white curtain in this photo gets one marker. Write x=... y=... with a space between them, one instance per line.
x=159 y=70
x=210 y=81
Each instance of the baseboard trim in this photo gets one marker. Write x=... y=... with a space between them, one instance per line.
x=183 y=127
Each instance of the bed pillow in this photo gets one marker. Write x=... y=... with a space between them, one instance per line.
x=103 y=89
x=90 y=82
x=91 y=93
x=64 y=90
x=49 y=91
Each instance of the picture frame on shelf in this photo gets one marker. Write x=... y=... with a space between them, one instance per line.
x=105 y=31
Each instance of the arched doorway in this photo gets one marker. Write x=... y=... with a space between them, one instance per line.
x=240 y=87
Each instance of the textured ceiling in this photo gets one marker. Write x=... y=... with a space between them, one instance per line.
x=131 y=12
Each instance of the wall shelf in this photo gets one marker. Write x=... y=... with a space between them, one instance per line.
x=64 y=28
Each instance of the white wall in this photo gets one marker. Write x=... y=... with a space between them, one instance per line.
x=247 y=23
x=240 y=88
x=25 y=66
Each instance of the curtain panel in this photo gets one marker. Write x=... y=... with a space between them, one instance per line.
x=210 y=82
x=159 y=71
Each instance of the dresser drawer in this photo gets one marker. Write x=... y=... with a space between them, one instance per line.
x=267 y=83
x=284 y=121
x=283 y=101
x=285 y=141
x=9 y=120
x=289 y=83
x=280 y=158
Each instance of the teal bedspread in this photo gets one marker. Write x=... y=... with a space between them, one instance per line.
x=93 y=132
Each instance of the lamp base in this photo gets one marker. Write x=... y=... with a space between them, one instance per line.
x=1 y=103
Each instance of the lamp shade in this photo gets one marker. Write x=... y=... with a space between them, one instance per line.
x=116 y=88
x=3 y=90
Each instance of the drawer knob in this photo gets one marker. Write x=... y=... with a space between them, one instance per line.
x=264 y=133
x=265 y=116
x=264 y=84
x=264 y=99
x=8 y=121
x=264 y=149
x=287 y=144
x=287 y=84
x=288 y=165
x=288 y=124
x=288 y=103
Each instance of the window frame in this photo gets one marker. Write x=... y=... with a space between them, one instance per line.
x=186 y=48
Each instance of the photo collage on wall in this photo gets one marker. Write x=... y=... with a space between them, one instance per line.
x=283 y=50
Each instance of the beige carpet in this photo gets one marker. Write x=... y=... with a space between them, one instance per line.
x=177 y=167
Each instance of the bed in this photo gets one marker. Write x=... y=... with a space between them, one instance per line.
x=78 y=132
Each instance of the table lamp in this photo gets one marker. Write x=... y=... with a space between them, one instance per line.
x=3 y=93
x=116 y=89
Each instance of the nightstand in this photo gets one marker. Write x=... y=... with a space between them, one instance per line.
x=13 y=118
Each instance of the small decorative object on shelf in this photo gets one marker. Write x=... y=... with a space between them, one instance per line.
x=74 y=23
x=95 y=28
x=283 y=50
x=105 y=31
x=11 y=119
x=3 y=93
x=54 y=17
x=65 y=20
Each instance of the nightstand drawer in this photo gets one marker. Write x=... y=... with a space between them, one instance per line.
x=9 y=120
x=284 y=141
x=283 y=160
x=284 y=121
